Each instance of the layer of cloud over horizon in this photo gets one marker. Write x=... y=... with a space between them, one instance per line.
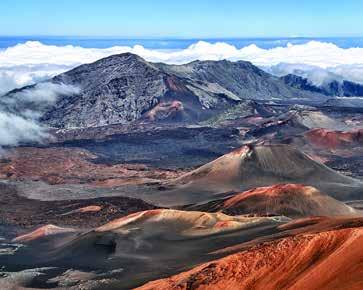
x=33 y=61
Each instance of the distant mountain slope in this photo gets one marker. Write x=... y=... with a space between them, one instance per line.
x=241 y=78
x=333 y=88
x=123 y=88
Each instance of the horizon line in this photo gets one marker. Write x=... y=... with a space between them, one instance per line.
x=176 y=37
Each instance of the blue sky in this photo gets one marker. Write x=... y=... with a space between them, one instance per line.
x=182 y=18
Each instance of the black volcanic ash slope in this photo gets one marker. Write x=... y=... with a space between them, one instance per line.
x=123 y=88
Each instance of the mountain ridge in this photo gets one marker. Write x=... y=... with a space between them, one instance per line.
x=123 y=88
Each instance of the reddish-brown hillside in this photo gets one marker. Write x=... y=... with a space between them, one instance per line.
x=334 y=139
x=293 y=200
x=326 y=260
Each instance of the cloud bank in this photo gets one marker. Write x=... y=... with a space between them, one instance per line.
x=16 y=129
x=33 y=61
x=19 y=113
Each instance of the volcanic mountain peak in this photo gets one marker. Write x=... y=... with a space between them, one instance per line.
x=106 y=69
x=261 y=165
x=276 y=159
x=228 y=163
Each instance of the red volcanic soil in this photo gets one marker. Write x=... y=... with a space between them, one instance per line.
x=324 y=260
x=293 y=200
x=90 y=208
x=334 y=139
x=42 y=232
x=73 y=166
x=164 y=109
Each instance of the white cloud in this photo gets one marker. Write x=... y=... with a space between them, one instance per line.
x=317 y=75
x=19 y=113
x=18 y=76
x=33 y=61
x=44 y=92
x=15 y=129
x=352 y=72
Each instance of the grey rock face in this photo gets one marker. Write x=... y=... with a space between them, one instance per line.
x=123 y=88
x=241 y=78
x=117 y=89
